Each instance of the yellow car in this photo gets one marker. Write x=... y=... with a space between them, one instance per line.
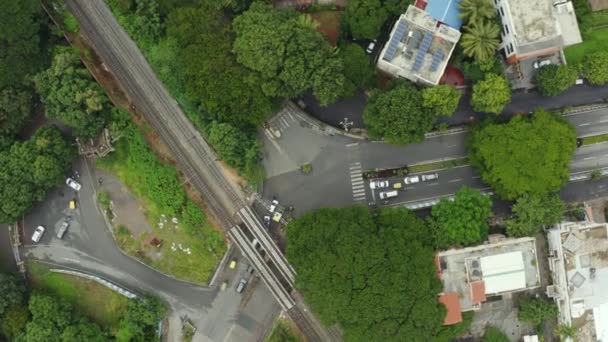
x=232 y=264
x=72 y=204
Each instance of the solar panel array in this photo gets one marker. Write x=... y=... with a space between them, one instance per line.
x=393 y=44
x=437 y=58
x=424 y=47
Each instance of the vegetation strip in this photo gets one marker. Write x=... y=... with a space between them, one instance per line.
x=440 y=165
x=596 y=139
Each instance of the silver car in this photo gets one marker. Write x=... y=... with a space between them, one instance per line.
x=241 y=286
x=38 y=234
x=429 y=177
x=378 y=184
x=62 y=229
x=73 y=184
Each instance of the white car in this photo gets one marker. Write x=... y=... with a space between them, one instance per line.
x=389 y=194
x=378 y=184
x=539 y=64
x=411 y=180
x=273 y=205
x=73 y=184
x=38 y=234
x=429 y=177
x=371 y=46
x=62 y=229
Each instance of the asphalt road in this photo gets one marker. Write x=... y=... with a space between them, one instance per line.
x=88 y=246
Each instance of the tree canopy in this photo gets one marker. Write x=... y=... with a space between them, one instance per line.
x=527 y=155
x=358 y=68
x=475 y=11
x=464 y=220
x=12 y=291
x=140 y=321
x=536 y=310
x=534 y=211
x=441 y=99
x=70 y=94
x=364 y=18
x=288 y=55
x=491 y=95
x=398 y=115
x=480 y=40
x=595 y=67
x=554 y=79
x=30 y=169
x=230 y=146
x=372 y=273
x=493 y=334
x=15 y=109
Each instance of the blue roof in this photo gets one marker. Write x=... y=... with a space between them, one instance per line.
x=445 y=11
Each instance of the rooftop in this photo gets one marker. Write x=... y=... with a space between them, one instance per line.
x=453 y=312
x=505 y=266
x=445 y=11
x=419 y=47
x=533 y=21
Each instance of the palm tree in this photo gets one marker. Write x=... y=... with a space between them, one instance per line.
x=480 y=40
x=307 y=21
x=565 y=331
x=474 y=11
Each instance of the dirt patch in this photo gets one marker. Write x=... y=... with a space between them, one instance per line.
x=597 y=209
x=329 y=24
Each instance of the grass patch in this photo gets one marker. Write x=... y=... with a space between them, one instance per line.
x=282 y=331
x=446 y=164
x=329 y=24
x=103 y=198
x=159 y=188
x=596 y=139
x=88 y=297
x=594 y=41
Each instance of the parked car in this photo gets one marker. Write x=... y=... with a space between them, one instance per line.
x=250 y=269
x=429 y=177
x=73 y=184
x=397 y=185
x=62 y=229
x=232 y=264
x=378 y=184
x=38 y=234
x=267 y=221
x=72 y=204
x=541 y=63
x=389 y=194
x=241 y=286
x=224 y=285
x=411 y=180
x=370 y=47
x=273 y=205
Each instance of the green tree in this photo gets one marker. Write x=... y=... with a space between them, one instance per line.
x=12 y=290
x=192 y=218
x=480 y=40
x=536 y=311
x=14 y=320
x=15 y=109
x=476 y=11
x=554 y=79
x=441 y=99
x=464 y=220
x=534 y=211
x=364 y=18
x=357 y=66
x=140 y=320
x=491 y=95
x=476 y=70
x=398 y=116
x=595 y=67
x=72 y=95
x=20 y=55
x=287 y=54
x=232 y=146
x=527 y=155
x=493 y=334
x=371 y=273
x=564 y=331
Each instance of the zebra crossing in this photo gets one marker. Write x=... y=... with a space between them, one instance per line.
x=357 y=182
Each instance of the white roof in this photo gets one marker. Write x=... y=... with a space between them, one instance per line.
x=600 y=320
x=531 y=338
x=503 y=272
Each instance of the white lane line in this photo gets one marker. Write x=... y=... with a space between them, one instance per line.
x=451 y=146
x=584 y=124
x=603 y=121
x=352 y=144
x=455 y=180
x=475 y=177
x=358 y=187
x=358 y=191
x=358 y=182
x=587 y=158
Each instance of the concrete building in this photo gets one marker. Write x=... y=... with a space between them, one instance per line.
x=419 y=46
x=536 y=28
x=475 y=273
x=578 y=259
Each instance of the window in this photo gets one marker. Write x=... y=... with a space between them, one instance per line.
x=507 y=49
x=506 y=29
x=511 y=47
x=502 y=12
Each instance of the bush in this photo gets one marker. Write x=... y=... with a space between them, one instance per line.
x=554 y=79
x=306 y=168
x=357 y=66
x=491 y=95
x=595 y=67
x=493 y=334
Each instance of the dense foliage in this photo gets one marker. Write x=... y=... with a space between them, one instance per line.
x=30 y=169
x=493 y=334
x=480 y=40
x=288 y=55
x=530 y=154
x=464 y=220
x=364 y=18
x=231 y=147
x=554 y=79
x=358 y=69
x=398 y=115
x=70 y=94
x=536 y=311
x=595 y=67
x=441 y=99
x=491 y=95
x=12 y=290
x=372 y=273
x=140 y=321
x=475 y=11
x=532 y=212
x=15 y=109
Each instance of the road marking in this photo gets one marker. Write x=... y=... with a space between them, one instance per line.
x=433 y=184
x=359 y=187
x=352 y=144
x=455 y=180
x=475 y=177
x=356 y=181
x=587 y=158
x=450 y=146
x=584 y=124
x=603 y=121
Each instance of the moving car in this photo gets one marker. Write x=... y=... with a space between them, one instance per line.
x=389 y=194
x=411 y=180
x=370 y=47
x=38 y=233
x=397 y=186
x=378 y=184
x=429 y=177
x=73 y=184
x=62 y=229
x=541 y=63
x=241 y=286
x=273 y=205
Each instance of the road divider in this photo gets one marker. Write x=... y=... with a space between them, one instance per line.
x=439 y=165
x=594 y=139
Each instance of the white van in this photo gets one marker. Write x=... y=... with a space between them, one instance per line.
x=389 y=194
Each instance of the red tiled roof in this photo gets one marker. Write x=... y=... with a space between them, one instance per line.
x=452 y=304
x=478 y=292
